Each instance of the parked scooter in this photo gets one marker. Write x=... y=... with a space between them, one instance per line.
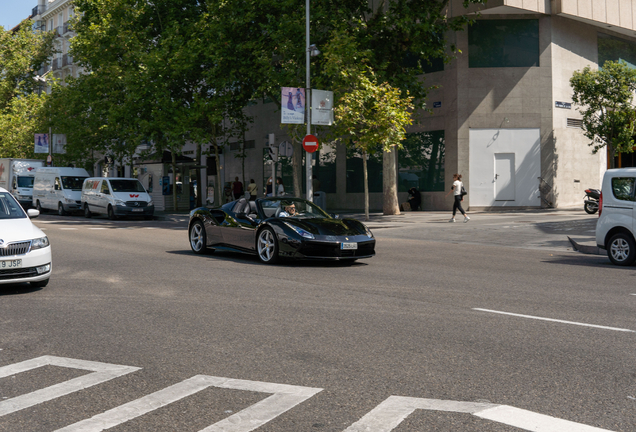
x=591 y=200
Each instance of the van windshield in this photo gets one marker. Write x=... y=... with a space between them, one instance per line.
x=73 y=183
x=25 y=182
x=126 y=186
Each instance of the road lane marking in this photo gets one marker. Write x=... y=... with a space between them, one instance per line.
x=102 y=372
x=390 y=413
x=68 y=228
x=284 y=398
x=98 y=228
x=555 y=320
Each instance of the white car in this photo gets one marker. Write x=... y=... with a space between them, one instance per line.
x=25 y=252
x=616 y=221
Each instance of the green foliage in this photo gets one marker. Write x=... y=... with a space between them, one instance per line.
x=21 y=54
x=606 y=100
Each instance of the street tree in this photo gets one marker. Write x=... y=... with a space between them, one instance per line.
x=606 y=100
x=22 y=54
x=262 y=40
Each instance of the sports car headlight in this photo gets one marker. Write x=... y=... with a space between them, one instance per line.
x=368 y=232
x=39 y=243
x=300 y=231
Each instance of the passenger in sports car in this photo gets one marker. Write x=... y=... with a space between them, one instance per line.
x=289 y=210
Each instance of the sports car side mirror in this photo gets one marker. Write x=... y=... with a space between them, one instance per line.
x=335 y=216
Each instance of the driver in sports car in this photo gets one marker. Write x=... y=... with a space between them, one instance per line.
x=289 y=210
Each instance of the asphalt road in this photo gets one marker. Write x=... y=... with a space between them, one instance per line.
x=496 y=312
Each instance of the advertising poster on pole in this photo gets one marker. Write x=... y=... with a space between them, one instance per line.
x=59 y=143
x=322 y=107
x=292 y=105
x=41 y=143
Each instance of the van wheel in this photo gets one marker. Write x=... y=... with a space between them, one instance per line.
x=111 y=213
x=60 y=210
x=622 y=249
x=87 y=212
x=39 y=207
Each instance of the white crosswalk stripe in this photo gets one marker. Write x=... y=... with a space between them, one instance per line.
x=283 y=397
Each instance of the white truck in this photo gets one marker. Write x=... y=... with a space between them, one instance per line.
x=16 y=176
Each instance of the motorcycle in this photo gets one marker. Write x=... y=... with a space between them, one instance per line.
x=591 y=199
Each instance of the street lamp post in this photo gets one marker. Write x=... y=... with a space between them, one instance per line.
x=309 y=156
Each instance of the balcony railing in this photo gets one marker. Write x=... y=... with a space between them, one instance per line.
x=67 y=60
x=55 y=64
x=58 y=31
x=44 y=69
x=67 y=27
x=38 y=10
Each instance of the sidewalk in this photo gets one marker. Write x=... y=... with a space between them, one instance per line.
x=378 y=217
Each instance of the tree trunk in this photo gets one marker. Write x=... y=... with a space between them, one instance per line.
x=390 y=204
x=612 y=155
x=174 y=180
x=297 y=165
x=199 y=180
x=366 y=186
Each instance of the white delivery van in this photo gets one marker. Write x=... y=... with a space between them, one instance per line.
x=58 y=189
x=116 y=196
x=616 y=225
x=16 y=176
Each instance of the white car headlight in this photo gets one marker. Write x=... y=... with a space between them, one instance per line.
x=151 y=203
x=40 y=243
x=70 y=201
x=300 y=231
x=120 y=203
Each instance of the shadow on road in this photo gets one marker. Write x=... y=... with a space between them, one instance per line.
x=17 y=289
x=253 y=259
x=583 y=260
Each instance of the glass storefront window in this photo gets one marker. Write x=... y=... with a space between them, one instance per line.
x=503 y=43
x=614 y=49
x=421 y=162
x=355 y=173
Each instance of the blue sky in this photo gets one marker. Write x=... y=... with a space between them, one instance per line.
x=14 y=11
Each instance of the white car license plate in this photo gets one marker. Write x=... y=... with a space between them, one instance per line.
x=138 y=209
x=11 y=264
x=348 y=246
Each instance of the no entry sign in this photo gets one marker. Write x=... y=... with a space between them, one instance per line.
x=310 y=143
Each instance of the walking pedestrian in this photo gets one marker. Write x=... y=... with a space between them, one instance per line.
x=268 y=187
x=458 y=193
x=280 y=189
x=237 y=188
x=252 y=189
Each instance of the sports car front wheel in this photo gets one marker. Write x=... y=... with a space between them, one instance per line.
x=267 y=246
x=197 y=238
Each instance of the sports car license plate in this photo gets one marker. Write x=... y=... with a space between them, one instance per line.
x=348 y=246
x=138 y=209
x=11 y=264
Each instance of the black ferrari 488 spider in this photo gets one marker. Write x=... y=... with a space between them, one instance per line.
x=279 y=227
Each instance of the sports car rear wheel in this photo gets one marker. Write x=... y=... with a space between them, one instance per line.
x=197 y=238
x=267 y=246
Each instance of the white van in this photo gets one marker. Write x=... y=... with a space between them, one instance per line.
x=617 y=216
x=116 y=196
x=58 y=189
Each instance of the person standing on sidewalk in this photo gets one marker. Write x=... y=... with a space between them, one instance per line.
x=252 y=189
x=459 y=197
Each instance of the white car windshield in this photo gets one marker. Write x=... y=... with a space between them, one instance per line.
x=10 y=208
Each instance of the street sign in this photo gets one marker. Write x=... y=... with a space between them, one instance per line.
x=285 y=149
x=310 y=143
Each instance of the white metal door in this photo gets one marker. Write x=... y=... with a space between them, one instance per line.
x=504 y=176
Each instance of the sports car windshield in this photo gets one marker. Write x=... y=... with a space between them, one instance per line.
x=292 y=207
x=10 y=208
